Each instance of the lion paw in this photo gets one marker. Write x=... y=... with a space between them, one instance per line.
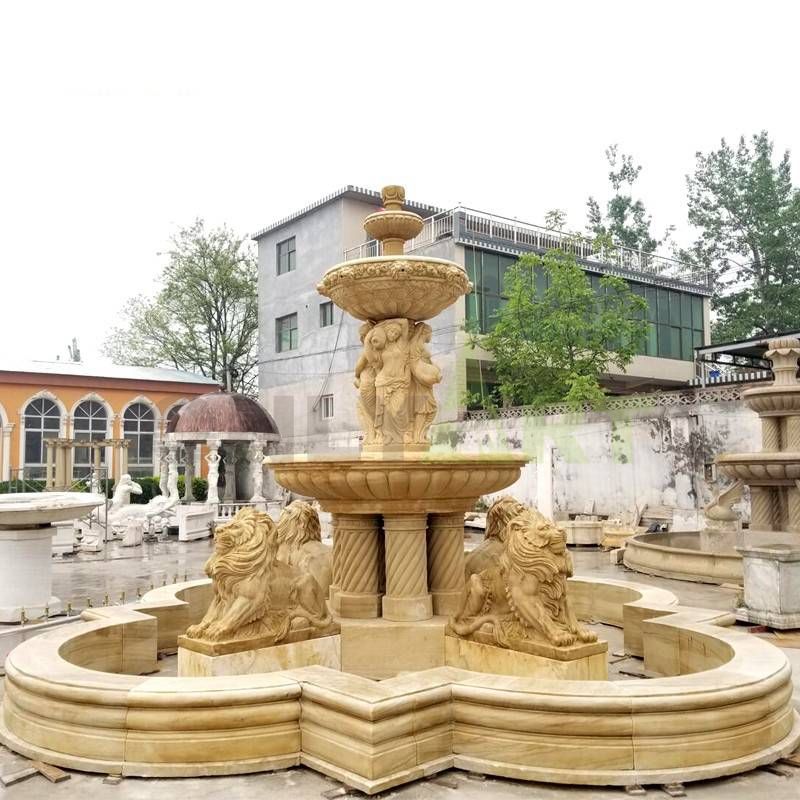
x=587 y=636
x=562 y=639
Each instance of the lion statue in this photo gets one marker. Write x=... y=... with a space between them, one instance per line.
x=300 y=542
x=257 y=595
x=516 y=587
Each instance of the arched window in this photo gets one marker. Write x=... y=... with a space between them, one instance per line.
x=91 y=422
x=139 y=426
x=181 y=453
x=42 y=421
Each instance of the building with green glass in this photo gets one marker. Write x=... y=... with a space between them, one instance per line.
x=308 y=349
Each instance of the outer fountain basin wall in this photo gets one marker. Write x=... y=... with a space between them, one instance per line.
x=729 y=710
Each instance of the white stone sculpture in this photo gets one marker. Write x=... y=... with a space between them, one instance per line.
x=256 y=456
x=213 y=459
x=134 y=533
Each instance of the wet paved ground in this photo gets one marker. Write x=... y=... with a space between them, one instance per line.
x=122 y=570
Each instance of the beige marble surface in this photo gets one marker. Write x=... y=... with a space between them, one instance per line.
x=324 y=651
x=478 y=657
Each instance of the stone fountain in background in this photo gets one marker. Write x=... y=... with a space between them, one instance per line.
x=771 y=548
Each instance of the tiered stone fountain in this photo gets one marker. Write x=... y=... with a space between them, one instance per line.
x=771 y=548
x=398 y=510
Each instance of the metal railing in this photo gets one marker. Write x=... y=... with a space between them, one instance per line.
x=467 y=225
x=681 y=397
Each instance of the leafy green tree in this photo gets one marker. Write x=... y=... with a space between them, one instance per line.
x=626 y=221
x=204 y=317
x=556 y=336
x=748 y=214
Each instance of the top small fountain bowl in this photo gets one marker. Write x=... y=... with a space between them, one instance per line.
x=386 y=287
x=34 y=509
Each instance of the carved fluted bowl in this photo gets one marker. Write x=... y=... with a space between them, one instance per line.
x=773 y=401
x=412 y=483
x=761 y=469
x=395 y=286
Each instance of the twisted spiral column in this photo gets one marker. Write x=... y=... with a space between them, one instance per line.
x=356 y=566
x=446 y=562
x=407 y=597
x=792 y=434
x=770 y=434
x=793 y=493
x=761 y=508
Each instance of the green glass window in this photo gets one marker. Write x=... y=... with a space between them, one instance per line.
x=651 y=296
x=651 y=348
x=663 y=306
x=326 y=314
x=675 y=309
x=286 y=337
x=686 y=310
x=697 y=313
x=687 y=351
x=286 y=256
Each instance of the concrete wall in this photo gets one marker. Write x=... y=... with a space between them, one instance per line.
x=612 y=462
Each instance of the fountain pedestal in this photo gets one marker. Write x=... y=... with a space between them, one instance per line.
x=26 y=540
x=771 y=585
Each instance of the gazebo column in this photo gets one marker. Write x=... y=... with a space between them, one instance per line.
x=97 y=453
x=124 y=456
x=355 y=592
x=256 y=458
x=407 y=597
x=446 y=562
x=212 y=459
x=188 y=474
x=230 y=474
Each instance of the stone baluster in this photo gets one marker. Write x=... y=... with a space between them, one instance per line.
x=356 y=566
x=407 y=598
x=446 y=562
x=188 y=474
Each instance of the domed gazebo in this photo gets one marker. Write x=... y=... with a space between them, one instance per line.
x=236 y=430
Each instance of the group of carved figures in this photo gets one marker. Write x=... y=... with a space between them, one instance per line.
x=395 y=377
x=272 y=580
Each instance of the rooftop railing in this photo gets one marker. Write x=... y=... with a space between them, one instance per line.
x=468 y=226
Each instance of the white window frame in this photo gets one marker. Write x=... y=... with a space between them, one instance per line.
x=326 y=408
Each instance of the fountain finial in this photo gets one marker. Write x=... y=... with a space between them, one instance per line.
x=392 y=226
x=784 y=353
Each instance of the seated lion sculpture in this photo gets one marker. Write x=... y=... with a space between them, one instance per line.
x=261 y=587
x=516 y=589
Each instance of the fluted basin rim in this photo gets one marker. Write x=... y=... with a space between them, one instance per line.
x=411 y=257
x=407 y=483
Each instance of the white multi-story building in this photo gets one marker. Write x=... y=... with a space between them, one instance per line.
x=308 y=347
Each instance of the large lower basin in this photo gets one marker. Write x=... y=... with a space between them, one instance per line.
x=411 y=483
x=705 y=556
x=26 y=509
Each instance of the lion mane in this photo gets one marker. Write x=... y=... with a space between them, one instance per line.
x=256 y=595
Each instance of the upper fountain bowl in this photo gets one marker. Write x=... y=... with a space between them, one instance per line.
x=386 y=287
x=27 y=509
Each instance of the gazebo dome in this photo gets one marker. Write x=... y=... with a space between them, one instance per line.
x=222 y=412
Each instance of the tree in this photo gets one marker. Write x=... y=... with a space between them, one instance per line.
x=626 y=221
x=556 y=336
x=204 y=317
x=748 y=214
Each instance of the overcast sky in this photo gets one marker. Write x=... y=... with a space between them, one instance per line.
x=123 y=120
